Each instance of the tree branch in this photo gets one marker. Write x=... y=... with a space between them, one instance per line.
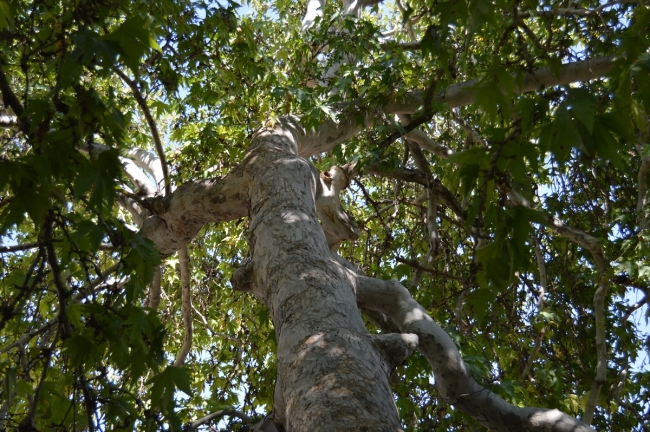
x=417 y=265
x=331 y=133
x=219 y=414
x=541 y=266
x=149 y=162
x=156 y=288
x=20 y=247
x=453 y=380
x=457 y=95
x=572 y=11
x=152 y=125
x=62 y=292
x=9 y=122
x=10 y=98
x=186 y=306
x=417 y=176
x=179 y=217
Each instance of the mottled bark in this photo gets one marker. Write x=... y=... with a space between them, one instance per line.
x=332 y=374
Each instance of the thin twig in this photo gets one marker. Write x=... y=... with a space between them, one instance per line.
x=425 y=117
x=541 y=265
x=152 y=125
x=219 y=414
x=573 y=11
x=416 y=264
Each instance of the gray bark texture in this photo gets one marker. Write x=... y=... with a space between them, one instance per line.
x=332 y=374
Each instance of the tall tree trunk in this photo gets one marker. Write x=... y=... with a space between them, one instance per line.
x=332 y=373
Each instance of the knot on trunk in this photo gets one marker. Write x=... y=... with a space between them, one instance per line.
x=158 y=204
x=243 y=278
x=395 y=348
x=336 y=223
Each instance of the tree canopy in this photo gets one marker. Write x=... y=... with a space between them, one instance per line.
x=496 y=164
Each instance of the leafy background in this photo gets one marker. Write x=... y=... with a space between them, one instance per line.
x=212 y=73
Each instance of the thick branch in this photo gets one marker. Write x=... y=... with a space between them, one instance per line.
x=331 y=133
x=156 y=288
x=179 y=217
x=457 y=95
x=10 y=99
x=453 y=380
x=336 y=223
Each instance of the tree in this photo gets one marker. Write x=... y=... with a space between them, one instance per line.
x=467 y=180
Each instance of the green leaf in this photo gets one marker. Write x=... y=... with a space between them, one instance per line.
x=564 y=135
x=479 y=300
x=608 y=146
x=134 y=39
x=165 y=384
x=82 y=351
x=6 y=16
x=583 y=106
x=472 y=156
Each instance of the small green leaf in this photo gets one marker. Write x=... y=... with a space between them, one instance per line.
x=134 y=39
x=6 y=17
x=583 y=106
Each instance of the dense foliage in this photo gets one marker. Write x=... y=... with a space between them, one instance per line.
x=80 y=349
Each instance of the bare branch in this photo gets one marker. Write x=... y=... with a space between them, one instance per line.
x=156 y=288
x=150 y=162
x=417 y=176
x=179 y=217
x=20 y=247
x=152 y=125
x=219 y=414
x=28 y=336
x=143 y=184
x=417 y=265
x=330 y=133
x=573 y=11
x=409 y=24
